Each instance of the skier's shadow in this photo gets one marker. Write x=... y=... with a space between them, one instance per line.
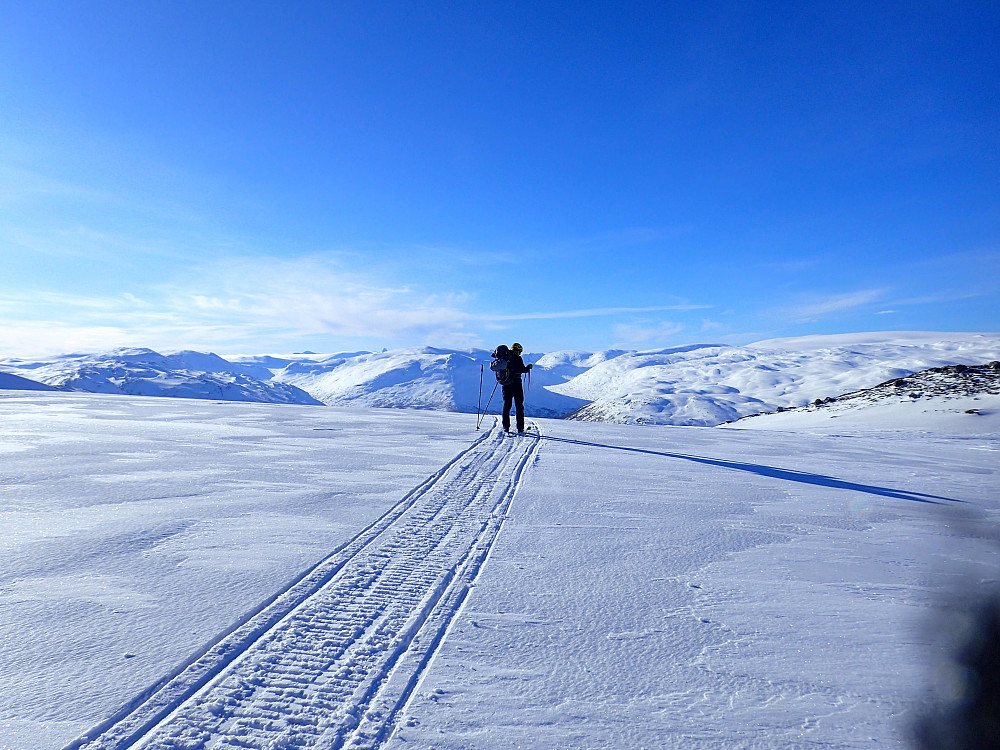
x=774 y=472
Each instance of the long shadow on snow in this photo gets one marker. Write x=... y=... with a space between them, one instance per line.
x=771 y=471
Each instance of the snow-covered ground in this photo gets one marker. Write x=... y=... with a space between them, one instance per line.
x=956 y=416
x=289 y=576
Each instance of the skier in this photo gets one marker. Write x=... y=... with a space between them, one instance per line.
x=509 y=367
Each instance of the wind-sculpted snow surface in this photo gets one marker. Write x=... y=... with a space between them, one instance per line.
x=332 y=661
x=193 y=574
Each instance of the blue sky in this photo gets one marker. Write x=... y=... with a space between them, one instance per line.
x=250 y=177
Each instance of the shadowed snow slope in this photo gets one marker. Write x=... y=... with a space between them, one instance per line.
x=17 y=383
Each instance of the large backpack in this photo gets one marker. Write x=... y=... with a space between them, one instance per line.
x=501 y=366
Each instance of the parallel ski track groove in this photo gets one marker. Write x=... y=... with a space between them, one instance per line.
x=332 y=660
x=383 y=719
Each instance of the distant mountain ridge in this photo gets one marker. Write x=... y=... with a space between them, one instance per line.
x=697 y=384
x=711 y=384
x=144 y=372
x=420 y=378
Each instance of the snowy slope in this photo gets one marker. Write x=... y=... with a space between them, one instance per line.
x=692 y=385
x=144 y=372
x=706 y=385
x=955 y=399
x=10 y=381
x=365 y=578
x=420 y=378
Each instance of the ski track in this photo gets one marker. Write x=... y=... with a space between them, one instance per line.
x=331 y=661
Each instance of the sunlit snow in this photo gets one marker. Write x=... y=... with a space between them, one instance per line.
x=649 y=587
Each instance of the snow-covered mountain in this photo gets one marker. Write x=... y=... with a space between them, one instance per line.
x=709 y=384
x=421 y=378
x=144 y=372
x=701 y=384
x=957 y=398
x=698 y=384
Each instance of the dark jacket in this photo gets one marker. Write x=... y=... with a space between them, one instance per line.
x=515 y=368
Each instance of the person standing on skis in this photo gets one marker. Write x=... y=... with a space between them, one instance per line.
x=509 y=377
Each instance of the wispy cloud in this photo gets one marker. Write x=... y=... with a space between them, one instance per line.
x=595 y=312
x=19 y=338
x=982 y=259
x=310 y=296
x=833 y=304
x=263 y=303
x=258 y=302
x=644 y=334
x=20 y=186
x=937 y=299
x=86 y=204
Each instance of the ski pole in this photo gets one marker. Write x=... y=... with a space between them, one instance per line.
x=479 y=407
x=489 y=402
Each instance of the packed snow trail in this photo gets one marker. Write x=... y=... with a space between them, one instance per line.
x=331 y=661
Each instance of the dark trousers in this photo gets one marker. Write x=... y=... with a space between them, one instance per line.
x=513 y=392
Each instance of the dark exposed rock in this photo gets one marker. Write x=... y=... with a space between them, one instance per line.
x=953 y=381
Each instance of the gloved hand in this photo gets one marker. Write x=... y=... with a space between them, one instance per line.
x=530 y=366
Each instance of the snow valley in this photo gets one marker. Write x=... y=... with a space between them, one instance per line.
x=696 y=385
